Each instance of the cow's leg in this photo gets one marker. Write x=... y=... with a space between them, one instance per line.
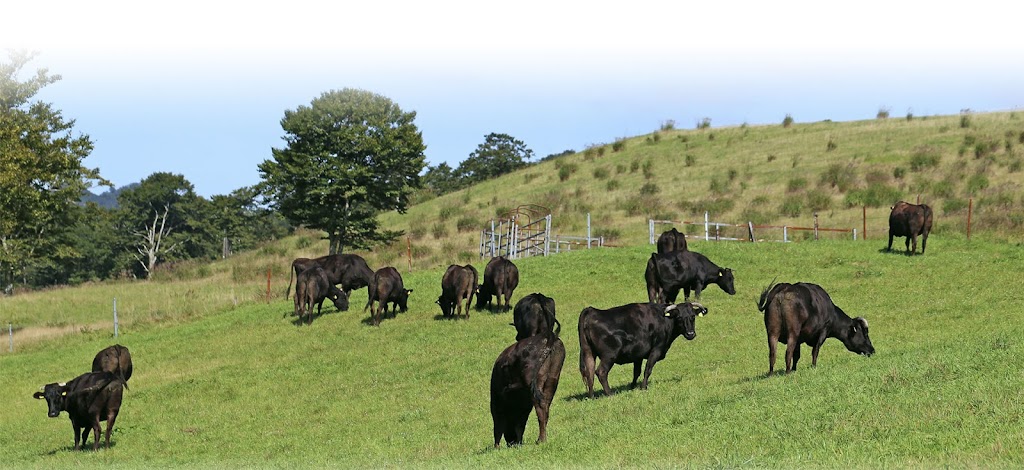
x=913 y=239
x=636 y=372
x=79 y=435
x=697 y=289
x=907 y=244
x=796 y=355
x=499 y=423
x=924 y=242
x=587 y=371
x=890 y=242
x=542 y=408
x=773 y=341
x=602 y=374
x=521 y=425
x=671 y=299
x=96 y=429
x=791 y=347
x=111 y=417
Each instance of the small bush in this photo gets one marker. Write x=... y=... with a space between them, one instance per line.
x=609 y=234
x=718 y=186
x=684 y=138
x=668 y=124
x=502 y=210
x=446 y=213
x=965 y=119
x=467 y=224
x=704 y=123
x=566 y=171
x=600 y=151
x=953 y=205
x=620 y=169
x=796 y=184
x=925 y=156
x=588 y=154
x=600 y=173
x=831 y=145
x=649 y=189
x=757 y=216
x=733 y=173
x=839 y=176
x=439 y=230
x=875 y=195
x=641 y=205
x=899 y=172
x=787 y=121
x=761 y=200
x=1020 y=138
x=910 y=115
x=771 y=157
x=304 y=242
x=417 y=231
x=711 y=136
x=715 y=205
x=613 y=185
x=877 y=177
x=529 y=177
x=1014 y=166
x=634 y=165
x=792 y=206
x=883 y=113
x=619 y=145
x=648 y=169
x=976 y=183
x=818 y=200
x=690 y=160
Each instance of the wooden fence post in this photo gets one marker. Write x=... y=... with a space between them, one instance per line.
x=750 y=227
x=970 y=210
x=815 y=226
x=268 y=285
x=408 y=250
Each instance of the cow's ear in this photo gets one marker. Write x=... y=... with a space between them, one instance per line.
x=37 y=395
x=670 y=309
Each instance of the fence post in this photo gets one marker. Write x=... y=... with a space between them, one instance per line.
x=706 y=238
x=547 y=235
x=785 y=234
x=588 y=230
x=10 y=334
x=650 y=229
x=115 y=317
x=408 y=250
x=970 y=210
x=268 y=285
x=750 y=226
x=492 y=238
x=226 y=249
x=815 y=226
x=854 y=234
x=864 y=219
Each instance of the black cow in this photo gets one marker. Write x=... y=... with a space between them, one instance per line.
x=88 y=399
x=501 y=277
x=351 y=271
x=457 y=285
x=312 y=287
x=629 y=334
x=525 y=376
x=671 y=240
x=533 y=315
x=910 y=220
x=804 y=313
x=385 y=287
x=688 y=270
x=115 y=359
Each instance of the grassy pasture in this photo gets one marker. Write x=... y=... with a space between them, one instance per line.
x=245 y=387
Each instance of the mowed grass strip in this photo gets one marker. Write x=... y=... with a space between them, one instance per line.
x=248 y=388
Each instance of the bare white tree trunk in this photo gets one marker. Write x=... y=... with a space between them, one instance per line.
x=151 y=246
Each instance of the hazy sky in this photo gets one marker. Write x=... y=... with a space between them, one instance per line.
x=199 y=87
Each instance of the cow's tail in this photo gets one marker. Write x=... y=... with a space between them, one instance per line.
x=587 y=359
x=291 y=275
x=558 y=328
x=762 y=303
x=535 y=387
x=120 y=370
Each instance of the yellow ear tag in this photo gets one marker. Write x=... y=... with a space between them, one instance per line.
x=667 y=314
x=64 y=394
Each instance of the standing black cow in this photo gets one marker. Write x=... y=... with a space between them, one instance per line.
x=525 y=376
x=671 y=240
x=457 y=285
x=910 y=220
x=385 y=287
x=631 y=333
x=311 y=288
x=501 y=277
x=351 y=271
x=804 y=313
x=687 y=270
x=115 y=359
x=533 y=315
x=88 y=399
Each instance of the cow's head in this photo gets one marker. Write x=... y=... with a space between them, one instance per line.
x=683 y=315
x=339 y=298
x=446 y=305
x=857 y=339
x=725 y=281
x=56 y=396
x=403 y=299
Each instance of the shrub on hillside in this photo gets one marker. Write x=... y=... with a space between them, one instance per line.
x=883 y=113
x=792 y=205
x=787 y=121
x=634 y=165
x=1014 y=166
x=439 y=230
x=713 y=206
x=467 y=224
x=899 y=172
x=818 y=200
x=943 y=189
x=976 y=183
x=668 y=124
x=600 y=173
x=613 y=185
x=875 y=195
x=877 y=177
x=839 y=176
x=718 y=187
x=690 y=160
x=529 y=177
x=953 y=205
x=641 y=205
x=304 y=242
x=796 y=184
x=446 y=213
x=704 y=123
x=756 y=215
x=771 y=157
x=733 y=173
x=417 y=230
x=648 y=169
x=925 y=156
x=649 y=189
x=831 y=145
x=619 y=145
x=610 y=234
x=588 y=154
x=566 y=171
x=620 y=168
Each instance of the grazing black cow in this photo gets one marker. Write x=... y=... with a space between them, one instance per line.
x=688 y=270
x=385 y=287
x=804 y=313
x=533 y=315
x=351 y=271
x=457 y=285
x=671 y=240
x=525 y=376
x=631 y=333
x=910 y=220
x=312 y=287
x=115 y=359
x=88 y=399
x=501 y=277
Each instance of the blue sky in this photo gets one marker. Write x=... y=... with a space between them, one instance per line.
x=199 y=88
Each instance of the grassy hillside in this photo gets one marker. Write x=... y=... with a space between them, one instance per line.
x=246 y=387
x=764 y=174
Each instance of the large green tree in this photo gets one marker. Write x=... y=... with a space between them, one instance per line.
x=497 y=155
x=41 y=173
x=349 y=155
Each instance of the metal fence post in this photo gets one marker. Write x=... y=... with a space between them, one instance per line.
x=650 y=229
x=547 y=235
x=706 y=238
x=815 y=226
x=588 y=230
x=10 y=334
x=785 y=234
x=115 y=317
x=854 y=234
x=492 y=238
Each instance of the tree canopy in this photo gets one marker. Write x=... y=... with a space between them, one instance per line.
x=497 y=155
x=349 y=155
x=41 y=173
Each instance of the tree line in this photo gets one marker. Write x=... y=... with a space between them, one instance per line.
x=349 y=155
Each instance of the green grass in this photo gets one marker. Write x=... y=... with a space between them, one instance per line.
x=246 y=388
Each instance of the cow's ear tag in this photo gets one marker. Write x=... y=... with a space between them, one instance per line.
x=64 y=393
